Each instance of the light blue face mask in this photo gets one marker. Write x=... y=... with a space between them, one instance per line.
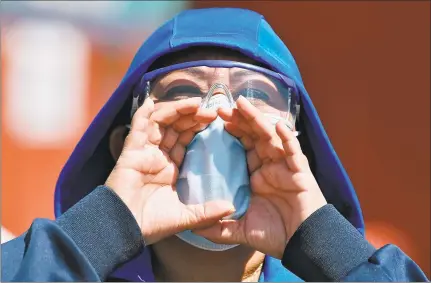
x=214 y=168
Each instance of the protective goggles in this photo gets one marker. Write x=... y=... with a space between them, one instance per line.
x=275 y=95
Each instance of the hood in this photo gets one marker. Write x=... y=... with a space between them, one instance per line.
x=241 y=30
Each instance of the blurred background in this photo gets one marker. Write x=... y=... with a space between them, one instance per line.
x=365 y=64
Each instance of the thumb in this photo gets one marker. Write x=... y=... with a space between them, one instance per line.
x=197 y=216
x=224 y=232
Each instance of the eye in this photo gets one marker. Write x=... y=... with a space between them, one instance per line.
x=253 y=94
x=182 y=92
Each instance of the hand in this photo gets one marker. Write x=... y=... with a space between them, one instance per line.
x=285 y=192
x=147 y=169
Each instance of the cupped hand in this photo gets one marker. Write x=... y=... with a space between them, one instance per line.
x=145 y=174
x=284 y=190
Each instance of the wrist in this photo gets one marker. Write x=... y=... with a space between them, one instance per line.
x=129 y=198
x=307 y=204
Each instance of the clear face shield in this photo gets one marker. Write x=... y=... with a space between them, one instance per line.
x=272 y=93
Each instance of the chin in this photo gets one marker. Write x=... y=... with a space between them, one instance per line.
x=174 y=245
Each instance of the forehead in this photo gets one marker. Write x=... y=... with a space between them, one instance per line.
x=203 y=72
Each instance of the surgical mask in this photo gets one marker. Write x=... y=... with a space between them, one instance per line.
x=214 y=168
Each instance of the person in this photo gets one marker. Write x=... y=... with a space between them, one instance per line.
x=208 y=163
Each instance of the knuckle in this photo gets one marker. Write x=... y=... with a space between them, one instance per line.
x=268 y=174
x=201 y=212
x=136 y=138
x=193 y=215
x=155 y=134
x=139 y=123
x=256 y=180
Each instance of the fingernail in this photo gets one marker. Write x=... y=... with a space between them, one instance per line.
x=243 y=98
x=232 y=209
x=228 y=206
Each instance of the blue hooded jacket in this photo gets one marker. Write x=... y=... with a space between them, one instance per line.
x=242 y=30
x=90 y=162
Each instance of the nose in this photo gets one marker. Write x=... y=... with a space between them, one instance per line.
x=219 y=81
x=219 y=90
x=215 y=90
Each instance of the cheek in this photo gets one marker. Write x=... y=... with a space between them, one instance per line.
x=116 y=142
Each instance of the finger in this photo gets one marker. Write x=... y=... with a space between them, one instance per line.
x=155 y=133
x=189 y=121
x=274 y=174
x=141 y=116
x=202 y=215
x=170 y=137
x=186 y=137
x=135 y=140
x=178 y=150
x=255 y=118
x=290 y=143
x=150 y=155
x=177 y=154
x=265 y=140
x=167 y=115
x=152 y=135
x=295 y=159
x=226 y=114
x=199 y=127
x=224 y=232
x=259 y=184
x=266 y=149
x=245 y=139
x=205 y=115
x=253 y=161
x=297 y=163
x=275 y=178
x=269 y=150
x=184 y=123
x=233 y=116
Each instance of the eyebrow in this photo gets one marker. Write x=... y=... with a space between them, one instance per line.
x=243 y=73
x=201 y=73
x=195 y=71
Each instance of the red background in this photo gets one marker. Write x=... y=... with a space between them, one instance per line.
x=366 y=66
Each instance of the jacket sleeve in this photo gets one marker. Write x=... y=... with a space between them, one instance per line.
x=86 y=243
x=326 y=247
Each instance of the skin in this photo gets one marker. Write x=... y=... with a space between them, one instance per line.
x=285 y=192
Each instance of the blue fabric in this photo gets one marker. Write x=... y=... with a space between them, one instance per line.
x=326 y=247
x=45 y=253
x=80 y=246
x=274 y=271
x=388 y=264
x=232 y=28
